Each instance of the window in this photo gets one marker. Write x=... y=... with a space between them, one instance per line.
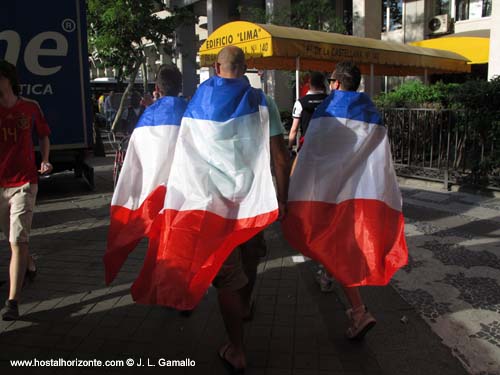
x=486 y=8
x=472 y=9
x=394 y=7
x=462 y=10
x=442 y=7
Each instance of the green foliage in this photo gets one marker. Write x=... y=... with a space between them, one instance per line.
x=477 y=105
x=481 y=101
x=414 y=94
x=117 y=30
x=316 y=15
x=484 y=95
x=478 y=95
x=303 y=14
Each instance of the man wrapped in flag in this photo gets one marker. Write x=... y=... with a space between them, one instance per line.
x=345 y=207
x=140 y=191
x=256 y=137
x=217 y=193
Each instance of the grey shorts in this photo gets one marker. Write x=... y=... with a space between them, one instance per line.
x=16 y=211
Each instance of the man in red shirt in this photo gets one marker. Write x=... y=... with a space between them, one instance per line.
x=19 y=177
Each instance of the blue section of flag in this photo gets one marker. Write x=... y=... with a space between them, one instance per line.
x=349 y=105
x=221 y=99
x=165 y=111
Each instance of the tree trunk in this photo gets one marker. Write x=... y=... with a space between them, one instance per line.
x=125 y=95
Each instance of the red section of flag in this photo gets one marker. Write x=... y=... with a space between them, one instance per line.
x=359 y=241
x=127 y=228
x=186 y=250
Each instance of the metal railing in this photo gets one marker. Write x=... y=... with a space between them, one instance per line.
x=442 y=145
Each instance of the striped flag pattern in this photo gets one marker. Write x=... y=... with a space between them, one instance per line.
x=141 y=187
x=345 y=206
x=219 y=193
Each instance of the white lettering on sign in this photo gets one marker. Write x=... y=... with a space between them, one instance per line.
x=36 y=89
x=34 y=50
x=13 y=45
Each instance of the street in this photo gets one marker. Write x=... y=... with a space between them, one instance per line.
x=439 y=314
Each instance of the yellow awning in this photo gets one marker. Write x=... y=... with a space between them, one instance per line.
x=475 y=46
x=277 y=47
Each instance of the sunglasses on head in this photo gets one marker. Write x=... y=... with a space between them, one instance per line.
x=330 y=80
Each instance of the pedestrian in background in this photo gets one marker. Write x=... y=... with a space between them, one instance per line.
x=134 y=112
x=19 y=117
x=305 y=107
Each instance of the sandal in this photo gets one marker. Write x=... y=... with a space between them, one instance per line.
x=228 y=365
x=361 y=321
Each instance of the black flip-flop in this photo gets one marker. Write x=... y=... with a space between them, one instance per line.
x=228 y=365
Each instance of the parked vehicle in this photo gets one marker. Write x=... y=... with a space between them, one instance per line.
x=48 y=45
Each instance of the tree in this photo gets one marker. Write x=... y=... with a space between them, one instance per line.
x=303 y=14
x=118 y=31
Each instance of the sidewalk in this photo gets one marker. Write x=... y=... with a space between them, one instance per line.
x=449 y=285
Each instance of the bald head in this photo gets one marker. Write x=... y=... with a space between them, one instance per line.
x=231 y=62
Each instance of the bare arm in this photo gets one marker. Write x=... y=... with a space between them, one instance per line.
x=45 y=166
x=281 y=163
x=292 y=137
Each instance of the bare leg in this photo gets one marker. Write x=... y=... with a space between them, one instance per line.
x=231 y=308
x=251 y=253
x=17 y=270
x=250 y=267
x=352 y=294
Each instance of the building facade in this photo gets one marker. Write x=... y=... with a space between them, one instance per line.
x=403 y=21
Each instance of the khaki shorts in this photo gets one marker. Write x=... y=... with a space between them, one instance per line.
x=232 y=275
x=16 y=211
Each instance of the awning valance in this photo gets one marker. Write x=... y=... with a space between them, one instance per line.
x=278 y=47
x=474 y=45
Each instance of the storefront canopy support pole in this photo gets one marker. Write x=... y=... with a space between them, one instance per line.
x=297 y=78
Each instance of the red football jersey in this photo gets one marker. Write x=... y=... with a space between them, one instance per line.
x=17 y=155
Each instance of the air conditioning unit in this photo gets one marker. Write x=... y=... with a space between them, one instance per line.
x=439 y=24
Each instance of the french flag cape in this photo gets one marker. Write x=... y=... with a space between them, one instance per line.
x=344 y=203
x=141 y=187
x=219 y=193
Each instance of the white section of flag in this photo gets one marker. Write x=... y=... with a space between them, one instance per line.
x=147 y=164
x=223 y=167
x=351 y=170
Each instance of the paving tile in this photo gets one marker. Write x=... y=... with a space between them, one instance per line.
x=296 y=329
